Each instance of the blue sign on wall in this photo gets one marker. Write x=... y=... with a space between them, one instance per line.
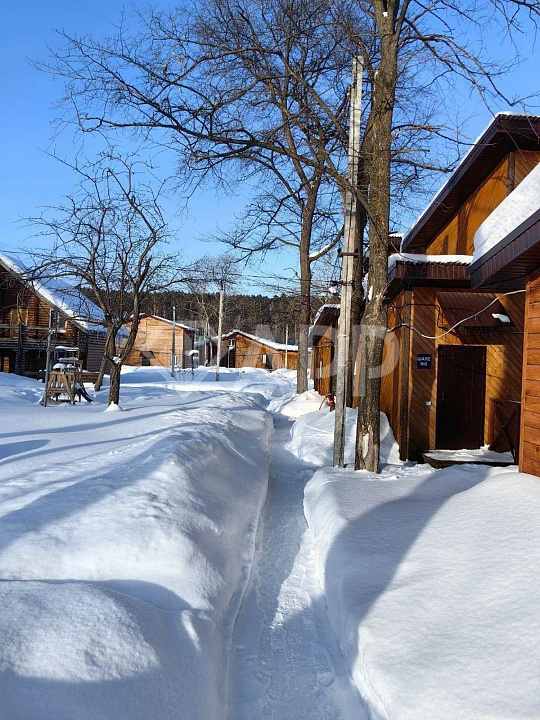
x=423 y=362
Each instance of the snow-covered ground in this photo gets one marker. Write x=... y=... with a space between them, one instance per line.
x=432 y=580
x=288 y=665
x=312 y=435
x=126 y=541
x=141 y=576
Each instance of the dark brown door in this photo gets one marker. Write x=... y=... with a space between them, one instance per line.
x=461 y=393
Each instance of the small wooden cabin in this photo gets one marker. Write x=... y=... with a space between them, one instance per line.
x=456 y=380
x=153 y=345
x=25 y=306
x=323 y=342
x=510 y=261
x=240 y=349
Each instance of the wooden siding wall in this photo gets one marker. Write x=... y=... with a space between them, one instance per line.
x=249 y=353
x=395 y=378
x=407 y=390
x=322 y=359
x=529 y=460
x=155 y=336
x=457 y=236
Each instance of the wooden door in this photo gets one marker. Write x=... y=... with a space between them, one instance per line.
x=461 y=393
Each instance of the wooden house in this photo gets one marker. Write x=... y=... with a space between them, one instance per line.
x=153 y=345
x=323 y=343
x=240 y=349
x=25 y=306
x=507 y=258
x=457 y=377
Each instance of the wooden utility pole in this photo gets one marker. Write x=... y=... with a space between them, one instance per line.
x=173 y=344
x=287 y=346
x=220 y=328
x=347 y=270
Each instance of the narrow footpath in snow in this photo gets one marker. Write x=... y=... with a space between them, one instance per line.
x=286 y=664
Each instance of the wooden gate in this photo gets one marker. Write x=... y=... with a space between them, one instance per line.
x=461 y=393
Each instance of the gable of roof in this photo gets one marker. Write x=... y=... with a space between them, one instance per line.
x=67 y=300
x=506 y=132
x=177 y=324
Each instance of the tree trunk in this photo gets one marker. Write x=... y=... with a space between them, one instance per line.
x=357 y=305
x=373 y=328
x=114 y=387
x=104 y=361
x=305 y=293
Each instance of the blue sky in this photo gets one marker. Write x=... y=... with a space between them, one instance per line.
x=31 y=179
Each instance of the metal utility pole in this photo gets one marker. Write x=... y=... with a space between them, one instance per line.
x=287 y=346
x=48 y=359
x=220 y=328
x=173 y=344
x=347 y=274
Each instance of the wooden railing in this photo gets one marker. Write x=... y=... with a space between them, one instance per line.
x=28 y=332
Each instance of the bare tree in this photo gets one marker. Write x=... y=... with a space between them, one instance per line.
x=107 y=240
x=256 y=87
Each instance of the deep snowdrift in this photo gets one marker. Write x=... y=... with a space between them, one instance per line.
x=432 y=581
x=126 y=542
x=312 y=438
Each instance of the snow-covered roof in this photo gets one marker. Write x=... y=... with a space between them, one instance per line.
x=323 y=309
x=452 y=178
x=420 y=258
x=263 y=341
x=514 y=210
x=60 y=295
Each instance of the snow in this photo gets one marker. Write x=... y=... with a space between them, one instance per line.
x=61 y=295
x=514 y=210
x=500 y=316
x=126 y=542
x=431 y=580
x=312 y=438
x=419 y=258
x=286 y=663
x=260 y=384
x=481 y=455
x=190 y=557
x=293 y=406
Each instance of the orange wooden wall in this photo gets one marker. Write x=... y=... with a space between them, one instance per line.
x=249 y=353
x=457 y=236
x=406 y=391
x=155 y=336
x=529 y=460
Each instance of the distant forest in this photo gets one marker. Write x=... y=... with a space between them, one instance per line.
x=256 y=314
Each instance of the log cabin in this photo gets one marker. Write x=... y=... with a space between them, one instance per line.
x=153 y=345
x=457 y=378
x=25 y=307
x=240 y=349
x=507 y=258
